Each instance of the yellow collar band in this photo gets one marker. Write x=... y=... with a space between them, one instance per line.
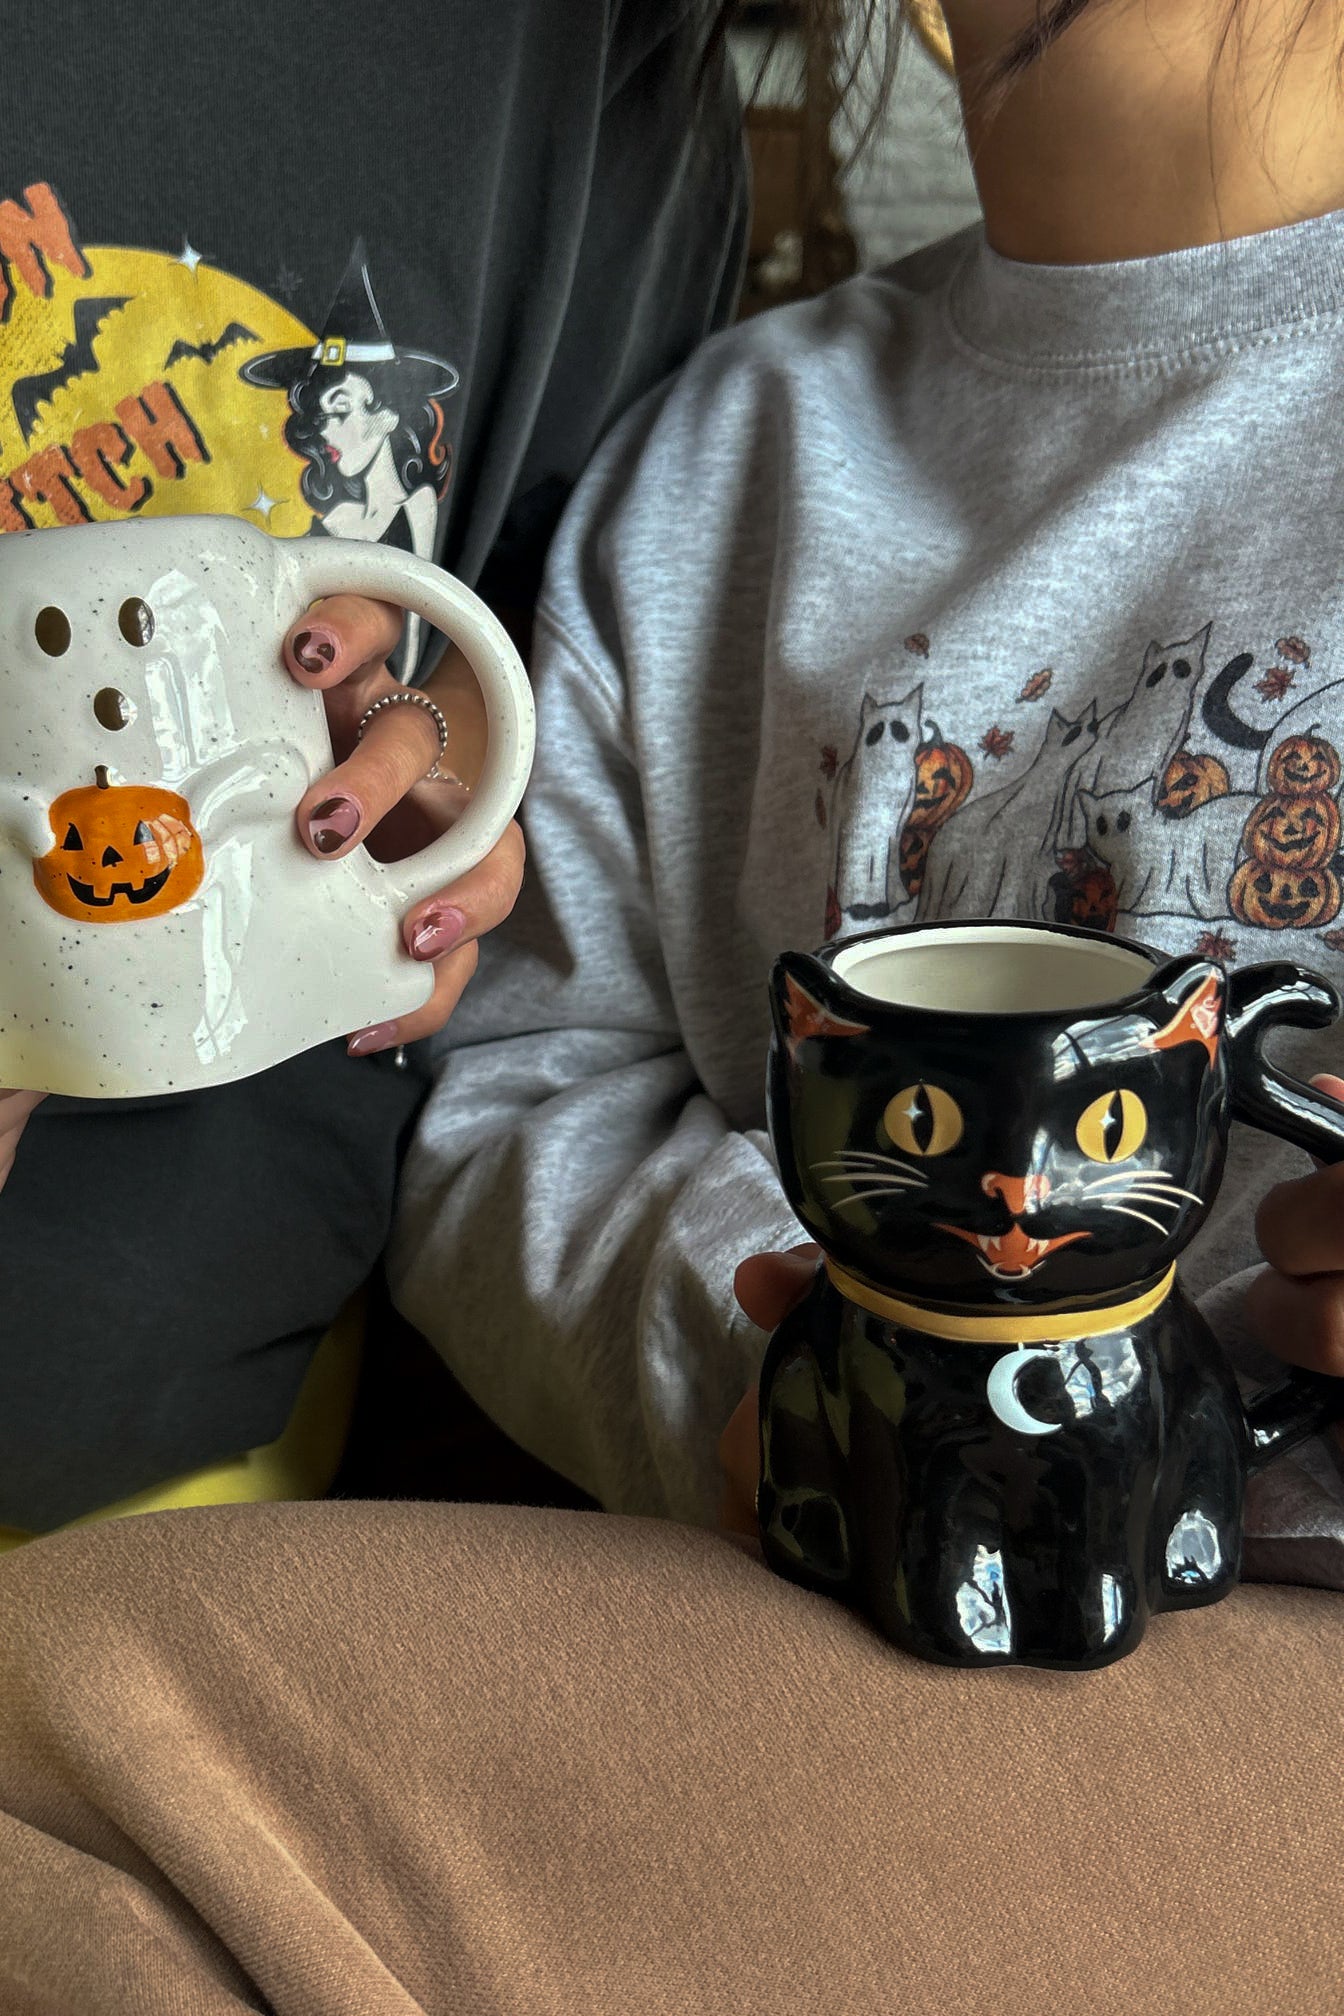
x=1025 y=1327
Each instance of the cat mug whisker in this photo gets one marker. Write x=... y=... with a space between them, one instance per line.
x=857 y=1158
x=1157 y=1192
x=1147 y=1177
x=1143 y=1217
x=1151 y=1196
x=863 y=1196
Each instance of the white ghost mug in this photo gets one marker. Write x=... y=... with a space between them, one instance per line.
x=162 y=926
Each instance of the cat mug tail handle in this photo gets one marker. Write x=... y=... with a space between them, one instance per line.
x=1259 y=999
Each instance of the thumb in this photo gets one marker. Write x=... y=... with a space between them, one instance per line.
x=768 y=1285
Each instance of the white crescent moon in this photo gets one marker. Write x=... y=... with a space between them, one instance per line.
x=1001 y=1390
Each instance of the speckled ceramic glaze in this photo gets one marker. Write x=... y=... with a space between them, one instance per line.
x=163 y=926
x=997 y=1425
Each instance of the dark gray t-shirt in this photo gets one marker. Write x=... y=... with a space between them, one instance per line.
x=384 y=277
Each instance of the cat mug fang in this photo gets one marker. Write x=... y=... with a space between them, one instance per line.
x=997 y=1424
x=164 y=926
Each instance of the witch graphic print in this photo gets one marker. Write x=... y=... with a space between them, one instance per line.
x=147 y=382
x=1193 y=803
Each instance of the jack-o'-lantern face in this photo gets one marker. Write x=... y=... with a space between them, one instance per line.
x=915 y=842
x=1304 y=764
x=1191 y=781
x=1093 y=901
x=1283 y=900
x=122 y=853
x=943 y=776
x=1298 y=832
x=1083 y=892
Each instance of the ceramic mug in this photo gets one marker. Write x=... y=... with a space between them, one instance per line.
x=163 y=926
x=997 y=1425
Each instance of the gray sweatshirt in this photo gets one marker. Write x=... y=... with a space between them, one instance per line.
x=1057 y=548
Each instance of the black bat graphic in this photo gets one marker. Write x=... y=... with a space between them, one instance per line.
x=77 y=357
x=207 y=352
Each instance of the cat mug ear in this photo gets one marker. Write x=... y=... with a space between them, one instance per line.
x=798 y=986
x=1193 y=990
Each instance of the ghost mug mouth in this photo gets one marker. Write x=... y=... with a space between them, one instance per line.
x=997 y=1425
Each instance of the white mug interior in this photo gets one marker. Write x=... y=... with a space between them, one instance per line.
x=991 y=969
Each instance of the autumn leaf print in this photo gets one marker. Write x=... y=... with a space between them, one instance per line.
x=1216 y=945
x=820 y=809
x=1038 y=683
x=830 y=761
x=918 y=643
x=997 y=741
x=1275 y=683
x=1294 y=649
x=1334 y=939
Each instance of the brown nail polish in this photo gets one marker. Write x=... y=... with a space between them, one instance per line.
x=366 y=1042
x=332 y=823
x=314 y=650
x=436 y=933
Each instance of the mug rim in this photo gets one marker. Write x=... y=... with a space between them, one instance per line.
x=1156 y=963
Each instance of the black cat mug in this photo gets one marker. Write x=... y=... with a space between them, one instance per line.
x=997 y=1425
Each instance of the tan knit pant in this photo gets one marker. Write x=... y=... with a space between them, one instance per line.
x=370 y=1760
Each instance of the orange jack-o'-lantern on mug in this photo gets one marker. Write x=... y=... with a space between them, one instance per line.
x=122 y=852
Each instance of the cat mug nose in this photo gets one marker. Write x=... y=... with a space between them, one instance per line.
x=1020 y=1193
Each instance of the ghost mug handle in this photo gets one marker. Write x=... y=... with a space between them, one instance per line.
x=1259 y=999
x=356 y=567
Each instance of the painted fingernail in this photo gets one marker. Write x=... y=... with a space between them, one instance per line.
x=332 y=823
x=436 y=932
x=382 y=1036
x=315 y=650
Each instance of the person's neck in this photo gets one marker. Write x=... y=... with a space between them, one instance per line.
x=1140 y=131
x=383 y=488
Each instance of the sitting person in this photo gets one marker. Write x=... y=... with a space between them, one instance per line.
x=360 y=360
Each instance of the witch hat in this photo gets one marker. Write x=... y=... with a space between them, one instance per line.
x=353 y=335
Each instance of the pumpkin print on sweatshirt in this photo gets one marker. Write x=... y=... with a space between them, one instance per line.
x=1177 y=803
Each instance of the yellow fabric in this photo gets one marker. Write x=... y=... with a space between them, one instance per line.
x=300 y=1463
x=1025 y=1327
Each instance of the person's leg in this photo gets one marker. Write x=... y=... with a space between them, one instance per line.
x=350 y=1760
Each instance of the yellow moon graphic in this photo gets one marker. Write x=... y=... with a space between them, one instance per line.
x=174 y=312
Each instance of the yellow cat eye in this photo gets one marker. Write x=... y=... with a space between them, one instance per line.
x=923 y=1120
x=1113 y=1127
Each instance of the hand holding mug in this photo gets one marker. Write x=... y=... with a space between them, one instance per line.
x=1297 y=1304
x=767 y=1287
x=378 y=794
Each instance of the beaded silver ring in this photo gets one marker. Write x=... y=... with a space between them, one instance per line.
x=405 y=695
